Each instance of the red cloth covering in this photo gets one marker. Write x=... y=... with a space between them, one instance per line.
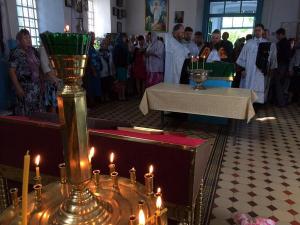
x=165 y=138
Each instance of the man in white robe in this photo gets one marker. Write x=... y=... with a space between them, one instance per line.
x=252 y=77
x=176 y=54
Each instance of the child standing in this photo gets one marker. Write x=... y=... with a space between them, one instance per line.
x=139 y=66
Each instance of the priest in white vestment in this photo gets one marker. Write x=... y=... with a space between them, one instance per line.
x=252 y=77
x=176 y=53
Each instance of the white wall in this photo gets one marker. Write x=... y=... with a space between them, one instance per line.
x=277 y=11
x=102 y=17
x=193 y=13
x=51 y=15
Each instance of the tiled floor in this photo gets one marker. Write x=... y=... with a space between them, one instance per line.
x=260 y=175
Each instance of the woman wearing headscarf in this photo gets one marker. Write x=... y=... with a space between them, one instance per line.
x=121 y=58
x=155 y=61
x=24 y=72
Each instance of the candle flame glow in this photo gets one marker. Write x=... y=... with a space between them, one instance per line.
x=142 y=219
x=112 y=157
x=151 y=169
x=158 y=202
x=37 y=160
x=67 y=28
x=158 y=190
x=92 y=153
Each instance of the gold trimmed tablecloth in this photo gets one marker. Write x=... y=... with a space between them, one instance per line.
x=234 y=103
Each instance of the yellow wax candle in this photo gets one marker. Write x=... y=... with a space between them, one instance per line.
x=25 y=187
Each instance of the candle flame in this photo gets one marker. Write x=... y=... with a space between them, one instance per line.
x=37 y=160
x=158 y=190
x=158 y=202
x=92 y=153
x=151 y=169
x=132 y=168
x=67 y=28
x=112 y=157
x=142 y=219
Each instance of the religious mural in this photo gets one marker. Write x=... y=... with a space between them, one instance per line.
x=156 y=17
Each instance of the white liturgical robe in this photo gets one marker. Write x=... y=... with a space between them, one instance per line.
x=176 y=53
x=255 y=79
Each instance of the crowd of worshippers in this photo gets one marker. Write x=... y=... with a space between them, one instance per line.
x=124 y=66
x=270 y=68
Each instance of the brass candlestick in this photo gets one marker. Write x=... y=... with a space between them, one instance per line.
x=132 y=220
x=38 y=195
x=132 y=173
x=96 y=177
x=114 y=176
x=14 y=197
x=63 y=173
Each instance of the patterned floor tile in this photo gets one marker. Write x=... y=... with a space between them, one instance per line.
x=265 y=162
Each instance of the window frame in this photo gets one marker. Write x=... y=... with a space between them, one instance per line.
x=35 y=37
x=91 y=11
x=207 y=15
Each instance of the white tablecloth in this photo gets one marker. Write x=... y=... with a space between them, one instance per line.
x=234 y=103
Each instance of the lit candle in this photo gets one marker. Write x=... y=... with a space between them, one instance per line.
x=192 y=62
x=158 y=211
x=112 y=166
x=91 y=154
x=67 y=29
x=25 y=187
x=158 y=203
x=158 y=192
x=203 y=62
x=142 y=218
x=37 y=168
x=197 y=62
x=132 y=173
x=149 y=181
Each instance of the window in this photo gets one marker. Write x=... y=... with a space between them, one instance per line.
x=236 y=16
x=27 y=18
x=91 y=16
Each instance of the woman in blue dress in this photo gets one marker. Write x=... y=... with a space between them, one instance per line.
x=93 y=75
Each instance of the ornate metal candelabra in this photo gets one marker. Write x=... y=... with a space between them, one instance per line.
x=81 y=198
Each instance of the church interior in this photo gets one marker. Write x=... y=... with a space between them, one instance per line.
x=149 y=112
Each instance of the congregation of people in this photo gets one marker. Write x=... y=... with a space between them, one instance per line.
x=125 y=66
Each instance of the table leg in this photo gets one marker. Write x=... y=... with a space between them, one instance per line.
x=235 y=130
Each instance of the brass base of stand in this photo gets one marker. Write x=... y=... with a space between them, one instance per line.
x=81 y=207
x=199 y=87
x=95 y=204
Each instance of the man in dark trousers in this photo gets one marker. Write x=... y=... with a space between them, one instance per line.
x=281 y=79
